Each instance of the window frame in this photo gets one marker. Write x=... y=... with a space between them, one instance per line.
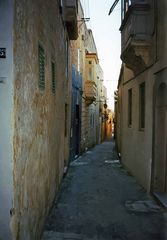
x=142 y=102
x=130 y=98
x=65 y=120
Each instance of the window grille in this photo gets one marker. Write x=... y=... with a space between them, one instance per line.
x=66 y=120
x=130 y=107
x=41 y=62
x=53 y=77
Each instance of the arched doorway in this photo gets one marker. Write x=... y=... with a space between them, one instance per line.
x=160 y=140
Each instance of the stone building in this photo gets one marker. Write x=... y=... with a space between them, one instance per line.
x=142 y=93
x=35 y=86
x=78 y=65
x=86 y=88
x=90 y=95
x=101 y=100
x=93 y=83
x=76 y=108
x=103 y=112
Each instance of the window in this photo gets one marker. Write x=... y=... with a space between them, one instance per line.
x=41 y=63
x=142 y=105
x=53 y=77
x=90 y=77
x=130 y=107
x=65 y=121
x=78 y=59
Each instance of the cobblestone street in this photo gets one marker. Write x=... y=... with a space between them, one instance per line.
x=100 y=200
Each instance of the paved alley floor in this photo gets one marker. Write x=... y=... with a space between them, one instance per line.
x=99 y=200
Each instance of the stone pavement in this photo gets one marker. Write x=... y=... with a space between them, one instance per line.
x=99 y=200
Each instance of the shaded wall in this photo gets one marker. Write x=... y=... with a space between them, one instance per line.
x=136 y=143
x=159 y=175
x=140 y=148
x=76 y=109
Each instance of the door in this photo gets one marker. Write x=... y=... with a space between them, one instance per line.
x=160 y=140
x=77 y=129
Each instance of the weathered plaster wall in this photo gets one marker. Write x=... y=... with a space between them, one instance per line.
x=6 y=100
x=39 y=130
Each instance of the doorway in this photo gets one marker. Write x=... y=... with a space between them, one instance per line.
x=77 y=129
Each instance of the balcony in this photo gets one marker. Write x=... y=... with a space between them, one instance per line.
x=90 y=91
x=70 y=9
x=136 y=36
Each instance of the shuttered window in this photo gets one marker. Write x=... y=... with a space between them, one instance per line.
x=142 y=105
x=66 y=120
x=41 y=61
x=130 y=107
x=53 y=77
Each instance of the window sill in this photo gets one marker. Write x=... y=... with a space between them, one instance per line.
x=141 y=129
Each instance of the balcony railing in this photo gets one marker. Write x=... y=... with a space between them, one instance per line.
x=90 y=91
x=136 y=35
x=70 y=9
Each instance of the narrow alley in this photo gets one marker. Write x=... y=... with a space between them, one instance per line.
x=99 y=199
x=73 y=73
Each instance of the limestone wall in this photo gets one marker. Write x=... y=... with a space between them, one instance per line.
x=40 y=144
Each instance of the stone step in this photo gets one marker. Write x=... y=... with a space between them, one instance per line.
x=51 y=235
x=161 y=198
